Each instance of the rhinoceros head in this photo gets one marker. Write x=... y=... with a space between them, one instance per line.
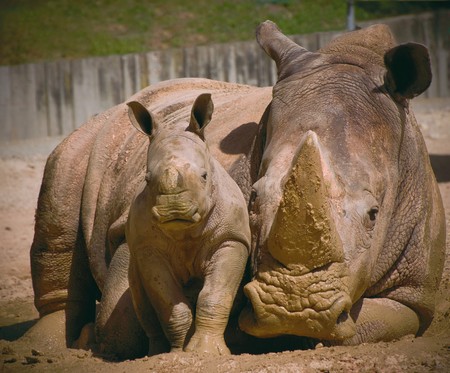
x=329 y=178
x=179 y=185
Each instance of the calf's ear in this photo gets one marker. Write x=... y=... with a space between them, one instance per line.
x=201 y=114
x=408 y=71
x=141 y=118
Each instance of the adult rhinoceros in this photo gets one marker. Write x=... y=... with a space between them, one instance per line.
x=347 y=221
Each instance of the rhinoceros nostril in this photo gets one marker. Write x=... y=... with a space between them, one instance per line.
x=343 y=317
x=345 y=326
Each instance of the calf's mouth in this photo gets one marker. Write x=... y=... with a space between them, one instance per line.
x=175 y=208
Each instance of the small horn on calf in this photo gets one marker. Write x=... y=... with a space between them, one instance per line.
x=171 y=181
x=303 y=232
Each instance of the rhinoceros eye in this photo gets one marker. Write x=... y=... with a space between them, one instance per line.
x=204 y=175
x=373 y=213
x=372 y=217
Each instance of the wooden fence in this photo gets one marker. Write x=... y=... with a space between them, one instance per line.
x=53 y=98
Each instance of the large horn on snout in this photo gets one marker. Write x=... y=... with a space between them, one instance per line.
x=286 y=53
x=303 y=232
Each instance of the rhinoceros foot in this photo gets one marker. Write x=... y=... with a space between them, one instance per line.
x=289 y=301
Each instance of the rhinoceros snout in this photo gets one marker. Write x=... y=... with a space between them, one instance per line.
x=176 y=207
x=316 y=304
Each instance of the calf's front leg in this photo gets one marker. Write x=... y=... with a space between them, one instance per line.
x=222 y=279
x=163 y=291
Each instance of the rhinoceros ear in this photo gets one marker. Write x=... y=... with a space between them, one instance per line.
x=408 y=71
x=201 y=114
x=288 y=55
x=141 y=118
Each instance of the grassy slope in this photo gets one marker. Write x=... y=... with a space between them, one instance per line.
x=34 y=30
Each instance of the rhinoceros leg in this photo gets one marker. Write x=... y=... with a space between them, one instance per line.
x=215 y=300
x=62 y=281
x=145 y=312
x=118 y=331
x=381 y=319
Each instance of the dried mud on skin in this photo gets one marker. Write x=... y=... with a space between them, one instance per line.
x=21 y=167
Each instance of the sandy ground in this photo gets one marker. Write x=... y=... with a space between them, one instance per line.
x=21 y=168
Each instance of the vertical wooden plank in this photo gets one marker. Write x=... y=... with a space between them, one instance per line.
x=175 y=63
x=240 y=61
x=202 y=62
x=251 y=56
x=144 y=78
x=110 y=82
x=216 y=63
x=6 y=118
x=131 y=75
x=59 y=98
x=41 y=115
x=18 y=106
x=85 y=89
x=231 y=71
x=53 y=100
x=268 y=70
x=190 y=62
x=428 y=38
x=66 y=84
x=23 y=103
x=154 y=67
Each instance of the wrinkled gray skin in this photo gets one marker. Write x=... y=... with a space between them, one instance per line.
x=348 y=222
x=188 y=225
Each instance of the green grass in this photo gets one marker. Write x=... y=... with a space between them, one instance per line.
x=34 y=30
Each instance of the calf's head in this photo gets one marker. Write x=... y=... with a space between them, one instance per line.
x=329 y=178
x=179 y=185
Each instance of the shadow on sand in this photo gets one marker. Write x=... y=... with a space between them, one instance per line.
x=15 y=331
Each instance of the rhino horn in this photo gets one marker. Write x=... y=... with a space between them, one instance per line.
x=171 y=181
x=287 y=54
x=303 y=232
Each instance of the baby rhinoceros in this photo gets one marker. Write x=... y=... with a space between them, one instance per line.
x=187 y=228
